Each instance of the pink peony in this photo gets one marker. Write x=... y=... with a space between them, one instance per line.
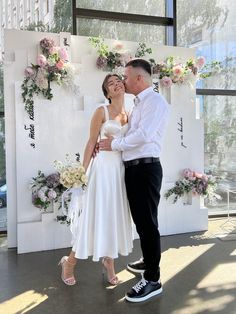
x=178 y=70
x=41 y=61
x=63 y=54
x=60 y=64
x=29 y=72
x=166 y=81
x=201 y=61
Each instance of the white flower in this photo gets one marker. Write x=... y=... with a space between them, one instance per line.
x=41 y=79
x=84 y=179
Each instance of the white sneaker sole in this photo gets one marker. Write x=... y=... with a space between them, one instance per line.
x=148 y=296
x=141 y=271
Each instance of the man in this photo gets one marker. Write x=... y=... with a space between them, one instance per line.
x=143 y=172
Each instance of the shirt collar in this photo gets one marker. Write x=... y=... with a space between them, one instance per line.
x=142 y=95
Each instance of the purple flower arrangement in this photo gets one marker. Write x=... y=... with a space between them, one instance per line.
x=46 y=189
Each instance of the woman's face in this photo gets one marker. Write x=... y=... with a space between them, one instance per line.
x=114 y=87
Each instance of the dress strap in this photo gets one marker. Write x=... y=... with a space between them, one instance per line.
x=106 y=113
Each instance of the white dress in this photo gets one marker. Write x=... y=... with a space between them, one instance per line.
x=105 y=227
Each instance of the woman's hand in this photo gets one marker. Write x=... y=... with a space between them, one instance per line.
x=96 y=150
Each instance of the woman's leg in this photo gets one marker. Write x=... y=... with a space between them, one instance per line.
x=108 y=264
x=68 y=263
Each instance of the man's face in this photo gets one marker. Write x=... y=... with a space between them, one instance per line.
x=130 y=80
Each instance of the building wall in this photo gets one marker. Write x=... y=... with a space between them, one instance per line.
x=17 y=14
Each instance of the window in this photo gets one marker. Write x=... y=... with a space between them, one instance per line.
x=151 y=7
x=120 y=30
x=148 y=21
x=217 y=21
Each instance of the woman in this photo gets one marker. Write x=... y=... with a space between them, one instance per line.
x=105 y=224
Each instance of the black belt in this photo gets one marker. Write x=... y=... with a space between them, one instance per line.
x=135 y=162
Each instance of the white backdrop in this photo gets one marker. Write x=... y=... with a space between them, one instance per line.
x=61 y=126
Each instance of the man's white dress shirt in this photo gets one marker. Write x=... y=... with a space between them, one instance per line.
x=146 y=127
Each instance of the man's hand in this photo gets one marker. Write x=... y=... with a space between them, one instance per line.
x=105 y=144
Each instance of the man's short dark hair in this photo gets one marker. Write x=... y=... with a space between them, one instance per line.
x=140 y=63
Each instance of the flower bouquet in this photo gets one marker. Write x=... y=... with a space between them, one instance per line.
x=74 y=179
x=197 y=184
x=72 y=173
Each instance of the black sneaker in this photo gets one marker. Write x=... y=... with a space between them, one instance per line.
x=137 y=267
x=143 y=290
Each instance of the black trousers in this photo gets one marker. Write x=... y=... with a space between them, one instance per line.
x=143 y=184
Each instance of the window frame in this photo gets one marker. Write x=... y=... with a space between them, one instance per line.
x=169 y=22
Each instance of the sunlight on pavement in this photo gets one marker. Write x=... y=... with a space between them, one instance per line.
x=23 y=302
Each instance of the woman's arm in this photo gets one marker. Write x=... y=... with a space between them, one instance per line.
x=95 y=126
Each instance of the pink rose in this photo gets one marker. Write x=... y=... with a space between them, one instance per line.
x=63 y=54
x=201 y=61
x=166 y=81
x=60 y=64
x=29 y=72
x=178 y=70
x=41 y=61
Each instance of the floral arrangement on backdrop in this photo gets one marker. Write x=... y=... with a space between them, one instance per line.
x=52 y=66
x=195 y=183
x=54 y=187
x=172 y=71
x=167 y=72
x=45 y=190
x=109 y=60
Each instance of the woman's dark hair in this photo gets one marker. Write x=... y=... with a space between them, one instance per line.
x=104 y=84
x=140 y=63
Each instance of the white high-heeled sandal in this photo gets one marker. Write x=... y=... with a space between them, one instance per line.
x=68 y=281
